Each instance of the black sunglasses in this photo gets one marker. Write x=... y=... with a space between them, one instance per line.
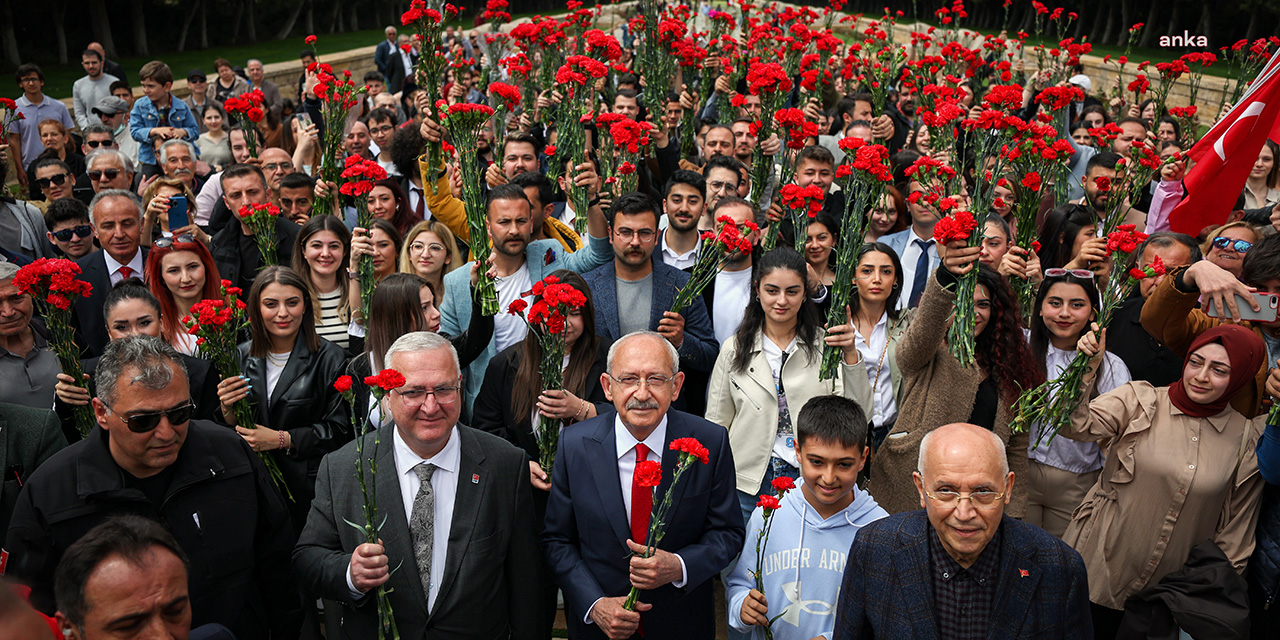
x=167 y=241
x=80 y=230
x=111 y=174
x=44 y=183
x=147 y=422
x=94 y=144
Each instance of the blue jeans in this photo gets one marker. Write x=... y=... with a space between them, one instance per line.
x=747 y=502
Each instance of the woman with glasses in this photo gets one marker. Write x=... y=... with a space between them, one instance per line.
x=937 y=390
x=1180 y=469
x=130 y=309
x=180 y=272
x=320 y=256
x=430 y=251
x=214 y=144
x=768 y=370
x=1227 y=245
x=288 y=379
x=1061 y=471
x=157 y=199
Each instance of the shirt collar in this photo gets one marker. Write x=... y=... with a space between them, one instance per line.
x=626 y=442
x=911 y=239
x=985 y=568
x=447 y=459
x=679 y=256
x=1219 y=421
x=135 y=263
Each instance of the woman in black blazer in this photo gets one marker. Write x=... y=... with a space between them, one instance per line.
x=130 y=309
x=288 y=375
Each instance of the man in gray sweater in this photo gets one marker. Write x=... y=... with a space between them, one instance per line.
x=88 y=91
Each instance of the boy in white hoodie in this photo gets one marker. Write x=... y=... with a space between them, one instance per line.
x=811 y=532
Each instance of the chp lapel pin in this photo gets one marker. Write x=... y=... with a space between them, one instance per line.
x=1024 y=573
x=475 y=478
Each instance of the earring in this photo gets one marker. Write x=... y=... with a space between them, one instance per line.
x=895 y=285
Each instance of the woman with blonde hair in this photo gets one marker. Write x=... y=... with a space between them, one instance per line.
x=430 y=251
x=155 y=209
x=1226 y=245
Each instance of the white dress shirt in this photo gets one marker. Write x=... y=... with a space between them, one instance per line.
x=626 y=445
x=873 y=349
x=910 y=256
x=113 y=267
x=444 y=482
x=679 y=260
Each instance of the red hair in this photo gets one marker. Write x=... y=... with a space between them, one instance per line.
x=170 y=323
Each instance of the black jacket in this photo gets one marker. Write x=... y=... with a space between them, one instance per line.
x=202 y=380
x=241 y=269
x=1205 y=598
x=88 y=309
x=220 y=507
x=305 y=404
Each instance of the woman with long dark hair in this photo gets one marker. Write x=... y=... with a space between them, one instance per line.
x=320 y=256
x=1069 y=240
x=768 y=370
x=1060 y=471
x=387 y=201
x=878 y=326
x=288 y=378
x=937 y=390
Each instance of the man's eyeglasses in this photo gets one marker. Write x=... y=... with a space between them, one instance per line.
x=1079 y=273
x=167 y=241
x=94 y=144
x=1241 y=246
x=111 y=174
x=979 y=499
x=80 y=231
x=632 y=381
x=147 y=422
x=380 y=130
x=59 y=179
x=645 y=235
x=722 y=186
x=447 y=394
x=277 y=166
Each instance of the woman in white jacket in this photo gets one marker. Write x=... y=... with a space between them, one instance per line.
x=757 y=390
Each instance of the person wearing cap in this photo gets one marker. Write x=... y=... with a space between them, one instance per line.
x=197 y=84
x=89 y=90
x=1086 y=85
x=113 y=112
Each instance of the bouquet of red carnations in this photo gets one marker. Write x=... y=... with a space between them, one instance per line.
x=768 y=503
x=464 y=122
x=358 y=176
x=261 y=219
x=246 y=108
x=716 y=251
x=52 y=284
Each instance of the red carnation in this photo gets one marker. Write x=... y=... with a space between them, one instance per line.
x=692 y=447
x=648 y=473
x=768 y=503
x=342 y=384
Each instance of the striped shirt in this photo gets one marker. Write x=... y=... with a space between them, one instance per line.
x=331 y=326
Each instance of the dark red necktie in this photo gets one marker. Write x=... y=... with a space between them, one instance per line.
x=422 y=203
x=126 y=273
x=641 y=500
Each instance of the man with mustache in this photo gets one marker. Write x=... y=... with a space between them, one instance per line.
x=591 y=537
x=178 y=160
x=901 y=112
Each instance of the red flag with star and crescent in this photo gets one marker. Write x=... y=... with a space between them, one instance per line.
x=1225 y=155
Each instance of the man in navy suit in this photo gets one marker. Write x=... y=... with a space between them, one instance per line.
x=117 y=221
x=385 y=51
x=596 y=511
x=961 y=568
x=916 y=248
x=634 y=292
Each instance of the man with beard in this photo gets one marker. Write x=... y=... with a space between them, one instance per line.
x=901 y=112
x=1102 y=167
x=382 y=129
x=718 y=142
x=540 y=192
x=683 y=206
x=744 y=142
x=518 y=263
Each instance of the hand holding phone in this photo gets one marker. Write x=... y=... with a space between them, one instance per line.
x=1269 y=303
x=178 y=212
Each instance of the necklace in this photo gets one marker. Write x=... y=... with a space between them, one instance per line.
x=880 y=364
x=278 y=360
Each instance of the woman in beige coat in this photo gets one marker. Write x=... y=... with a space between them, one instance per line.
x=778 y=369
x=936 y=390
x=1180 y=469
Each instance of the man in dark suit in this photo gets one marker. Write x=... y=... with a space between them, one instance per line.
x=597 y=512
x=961 y=568
x=400 y=67
x=117 y=221
x=27 y=438
x=385 y=51
x=456 y=513
x=634 y=292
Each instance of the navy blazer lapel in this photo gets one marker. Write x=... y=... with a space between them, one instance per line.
x=911 y=563
x=605 y=297
x=1016 y=583
x=602 y=450
x=675 y=430
x=396 y=538
x=468 y=503
x=664 y=293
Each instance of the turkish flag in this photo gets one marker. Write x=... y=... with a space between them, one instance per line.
x=1225 y=155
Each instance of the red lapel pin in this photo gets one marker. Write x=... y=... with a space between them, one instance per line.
x=475 y=478
x=1024 y=573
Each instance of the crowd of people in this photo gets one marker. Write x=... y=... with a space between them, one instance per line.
x=920 y=508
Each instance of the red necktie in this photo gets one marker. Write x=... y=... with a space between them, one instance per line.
x=126 y=273
x=641 y=500
x=421 y=209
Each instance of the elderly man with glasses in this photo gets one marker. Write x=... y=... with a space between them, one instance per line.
x=198 y=479
x=960 y=568
x=462 y=571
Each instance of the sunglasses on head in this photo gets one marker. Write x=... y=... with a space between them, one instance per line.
x=97 y=175
x=1079 y=273
x=94 y=144
x=80 y=230
x=168 y=241
x=44 y=183
x=147 y=422
x=1241 y=246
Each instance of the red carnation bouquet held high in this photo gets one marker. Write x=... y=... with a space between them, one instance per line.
x=216 y=324
x=771 y=82
x=52 y=284
x=428 y=25
x=553 y=303
x=379 y=386
x=769 y=503
x=246 y=108
x=337 y=95
x=716 y=251
x=577 y=79
x=649 y=474
x=464 y=122
x=506 y=100
x=358 y=176
x=261 y=219
x=801 y=204
x=629 y=139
